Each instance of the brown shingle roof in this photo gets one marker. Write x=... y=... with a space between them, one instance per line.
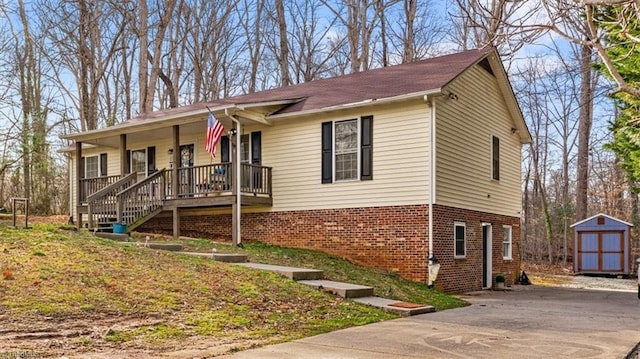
x=419 y=76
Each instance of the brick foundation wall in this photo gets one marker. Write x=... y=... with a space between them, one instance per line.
x=465 y=275
x=393 y=238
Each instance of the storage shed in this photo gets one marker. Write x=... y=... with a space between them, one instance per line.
x=602 y=245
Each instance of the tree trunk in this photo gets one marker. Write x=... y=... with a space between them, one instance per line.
x=584 y=132
x=408 y=53
x=284 y=43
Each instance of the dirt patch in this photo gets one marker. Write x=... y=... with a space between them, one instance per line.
x=87 y=338
x=546 y=268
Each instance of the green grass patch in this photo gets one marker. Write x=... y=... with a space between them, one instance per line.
x=83 y=279
x=386 y=284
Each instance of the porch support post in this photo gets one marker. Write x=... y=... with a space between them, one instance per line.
x=176 y=162
x=78 y=183
x=176 y=223
x=123 y=155
x=236 y=239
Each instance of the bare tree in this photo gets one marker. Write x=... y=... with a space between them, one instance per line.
x=484 y=23
x=148 y=77
x=360 y=18
x=87 y=37
x=282 y=56
x=418 y=32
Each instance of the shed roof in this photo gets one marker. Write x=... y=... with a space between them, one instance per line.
x=601 y=215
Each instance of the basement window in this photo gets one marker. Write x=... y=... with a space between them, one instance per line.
x=460 y=239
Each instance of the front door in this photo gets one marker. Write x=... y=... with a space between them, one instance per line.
x=486 y=255
x=187 y=187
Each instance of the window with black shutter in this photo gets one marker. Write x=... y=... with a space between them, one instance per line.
x=366 y=148
x=151 y=159
x=327 y=152
x=103 y=165
x=347 y=150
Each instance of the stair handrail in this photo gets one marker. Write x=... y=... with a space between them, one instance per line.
x=148 y=180
x=101 y=193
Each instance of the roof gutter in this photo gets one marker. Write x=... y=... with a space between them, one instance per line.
x=413 y=95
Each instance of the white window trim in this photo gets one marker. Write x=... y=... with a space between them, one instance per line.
x=464 y=225
x=358 y=151
x=85 y=166
x=491 y=156
x=510 y=257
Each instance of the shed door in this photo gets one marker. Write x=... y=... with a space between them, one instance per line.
x=601 y=251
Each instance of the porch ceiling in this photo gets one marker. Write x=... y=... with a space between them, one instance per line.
x=150 y=135
x=193 y=122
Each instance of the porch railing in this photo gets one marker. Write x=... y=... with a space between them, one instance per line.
x=103 y=204
x=89 y=186
x=142 y=199
x=198 y=181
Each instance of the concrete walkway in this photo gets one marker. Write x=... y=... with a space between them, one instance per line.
x=528 y=322
x=360 y=293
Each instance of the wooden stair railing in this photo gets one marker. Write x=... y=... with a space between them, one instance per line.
x=102 y=206
x=141 y=201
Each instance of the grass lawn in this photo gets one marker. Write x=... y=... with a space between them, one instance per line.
x=65 y=292
x=385 y=284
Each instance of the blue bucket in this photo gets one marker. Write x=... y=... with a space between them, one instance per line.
x=119 y=228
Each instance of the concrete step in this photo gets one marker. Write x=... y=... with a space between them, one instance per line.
x=230 y=257
x=173 y=247
x=121 y=237
x=344 y=290
x=395 y=306
x=289 y=272
x=221 y=257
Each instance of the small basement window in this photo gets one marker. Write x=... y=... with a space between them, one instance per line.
x=459 y=234
x=507 y=243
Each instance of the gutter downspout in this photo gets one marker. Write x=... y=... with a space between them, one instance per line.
x=236 y=238
x=433 y=267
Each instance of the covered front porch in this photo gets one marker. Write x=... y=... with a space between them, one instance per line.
x=149 y=182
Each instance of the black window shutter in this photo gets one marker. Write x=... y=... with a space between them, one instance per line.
x=151 y=159
x=103 y=164
x=256 y=147
x=127 y=165
x=496 y=158
x=327 y=152
x=224 y=149
x=82 y=162
x=366 y=148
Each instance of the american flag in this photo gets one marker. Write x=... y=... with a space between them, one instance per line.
x=214 y=132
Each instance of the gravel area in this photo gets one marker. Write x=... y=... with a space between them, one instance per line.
x=602 y=283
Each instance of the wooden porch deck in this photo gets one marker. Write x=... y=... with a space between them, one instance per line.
x=132 y=202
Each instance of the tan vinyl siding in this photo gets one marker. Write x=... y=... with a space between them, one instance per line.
x=463 y=155
x=292 y=148
x=400 y=161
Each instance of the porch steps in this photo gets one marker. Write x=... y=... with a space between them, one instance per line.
x=359 y=293
x=172 y=247
x=296 y=274
x=344 y=290
x=398 y=307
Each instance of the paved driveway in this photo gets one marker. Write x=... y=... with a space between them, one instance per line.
x=528 y=322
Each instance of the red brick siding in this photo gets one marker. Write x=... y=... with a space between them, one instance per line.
x=465 y=275
x=394 y=238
